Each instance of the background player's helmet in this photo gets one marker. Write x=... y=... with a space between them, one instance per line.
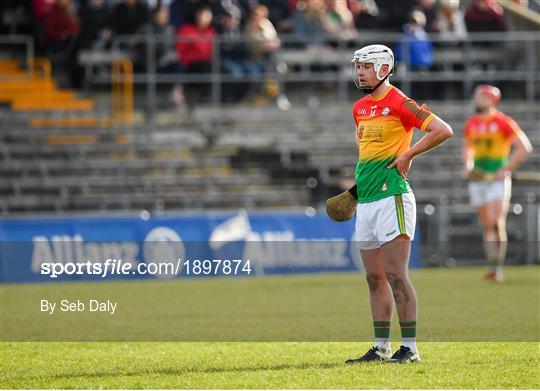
x=492 y=92
x=378 y=55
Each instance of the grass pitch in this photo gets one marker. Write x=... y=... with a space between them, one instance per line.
x=498 y=315
x=191 y=365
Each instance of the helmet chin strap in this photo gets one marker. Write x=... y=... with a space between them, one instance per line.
x=369 y=90
x=481 y=110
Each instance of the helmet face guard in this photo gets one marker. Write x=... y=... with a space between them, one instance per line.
x=360 y=84
x=378 y=55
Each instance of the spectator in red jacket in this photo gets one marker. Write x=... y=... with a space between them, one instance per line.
x=194 y=46
x=61 y=23
x=484 y=15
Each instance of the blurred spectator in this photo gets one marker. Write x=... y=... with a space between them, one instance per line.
x=484 y=15
x=339 y=20
x=309 y=22
x=431 y=11
x=534 y=5
x=17 y=17
x=95 y=20
x=164 y=36
x=182 y=11
x=61 y=24
x=94 y=31
x=41 y=8
x=451 y=21
x=280 y=14
x=128 y=16
x=395 y=13
x=263 y=38
x=235 y=57
x=155 y=5
x=366 y=14
x=194 y=47
x=416 y=49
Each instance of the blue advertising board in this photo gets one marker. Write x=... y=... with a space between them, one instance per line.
x=274 y=243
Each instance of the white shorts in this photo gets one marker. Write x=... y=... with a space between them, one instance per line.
x=380 y=221
x=482 y=192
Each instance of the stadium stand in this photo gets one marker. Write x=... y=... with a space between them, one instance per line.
x=226 y=148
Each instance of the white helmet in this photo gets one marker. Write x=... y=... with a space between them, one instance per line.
x=378 y=55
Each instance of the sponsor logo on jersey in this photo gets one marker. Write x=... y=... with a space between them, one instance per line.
x=360 y=131
x=391 y=233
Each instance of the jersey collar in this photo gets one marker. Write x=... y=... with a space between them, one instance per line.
x=390 y=88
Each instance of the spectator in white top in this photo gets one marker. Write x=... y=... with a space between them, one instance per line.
x=451 y=21
x=263 y=36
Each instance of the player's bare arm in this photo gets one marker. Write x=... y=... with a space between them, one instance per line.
x=467 y=155
x=521 y=149
x=469 y=172
x=438 y=131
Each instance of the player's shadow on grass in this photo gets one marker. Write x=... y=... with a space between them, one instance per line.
x=178 y=371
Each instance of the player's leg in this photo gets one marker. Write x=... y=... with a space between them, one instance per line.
x=493 y=218
x=380 y=297
x=479 y=193
x=379 y=289
x=380 y=294
x=396 y=228
x=395 y=259
x=498 y=240
x=488 y=232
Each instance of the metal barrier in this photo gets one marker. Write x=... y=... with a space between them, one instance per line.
x=513 y=55
x=27 y=41
x=122 y=91
x=41 y=67
x=510 y=57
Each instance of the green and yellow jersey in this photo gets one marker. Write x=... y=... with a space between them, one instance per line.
x=384 y=132
x=490 y=138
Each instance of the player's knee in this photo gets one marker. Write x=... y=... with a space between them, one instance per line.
x=374 y=280
x=500 y=227
x=491 y=227
x=497 y=227
x=394 y=280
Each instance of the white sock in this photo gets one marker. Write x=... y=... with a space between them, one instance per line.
x=410 y=343
x=383 y=344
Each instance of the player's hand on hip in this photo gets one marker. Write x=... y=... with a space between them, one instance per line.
x=402 y=164
x=501 y=174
